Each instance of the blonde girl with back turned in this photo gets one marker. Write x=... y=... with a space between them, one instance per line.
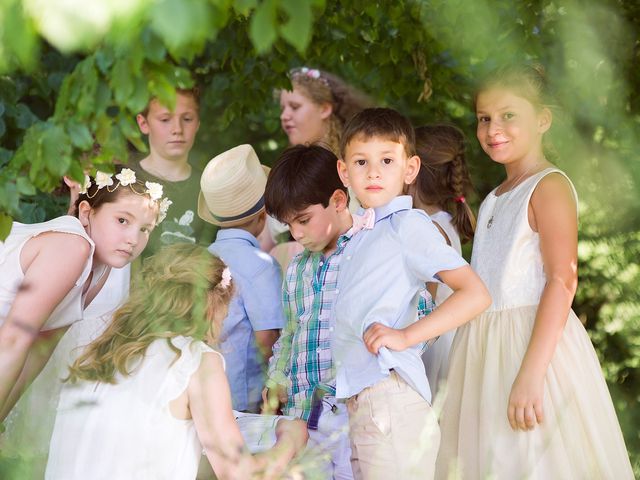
x=147 y=396
x=50 y=272
x=440 y=189
x=526 y=397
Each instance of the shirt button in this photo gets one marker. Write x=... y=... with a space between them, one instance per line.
x=337 y=290
x=321 y=263
x=348 y=257
x=331 y=329
x=338 y=363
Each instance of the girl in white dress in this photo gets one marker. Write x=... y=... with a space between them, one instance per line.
x=51 y=271
x=147 y=396
x=526 y=395
x=440 y=190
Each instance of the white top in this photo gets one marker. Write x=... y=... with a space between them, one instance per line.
x=126 y=430
x=69 y=310
x=443 y=219
x=511 y=267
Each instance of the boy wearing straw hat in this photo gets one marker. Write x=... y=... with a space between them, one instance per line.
x=232 y=198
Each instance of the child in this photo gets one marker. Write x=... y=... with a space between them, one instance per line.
x=171 y=133
x=526 y=396
x=148 y=395
x=232 y=198
x=377 y=340
x=115 y=215
x=440 y=187
x=305 y=192
x=317 y=107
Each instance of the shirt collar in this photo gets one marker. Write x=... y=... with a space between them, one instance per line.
x=403 y=202
x=237 y=234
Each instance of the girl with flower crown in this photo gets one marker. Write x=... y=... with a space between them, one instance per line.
x=50 y=272
x=148 y=396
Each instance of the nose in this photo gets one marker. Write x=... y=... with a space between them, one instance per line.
x=132 y=237
x=285 y=114
x=296 y=232
x=176 y=125
x=494 y=127
x=373 y=171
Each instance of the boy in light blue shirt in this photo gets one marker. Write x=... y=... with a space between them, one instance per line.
x=232 y=197
x=378 y=337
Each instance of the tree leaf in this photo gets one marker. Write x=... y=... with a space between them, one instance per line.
x=80 y=135
x=6 y=222
x=297 y=30
x=262 y=29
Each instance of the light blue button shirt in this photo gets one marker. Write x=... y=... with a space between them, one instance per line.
x=255 y=306
x=382 y=272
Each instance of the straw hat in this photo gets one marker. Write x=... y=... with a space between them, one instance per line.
x=232 y=187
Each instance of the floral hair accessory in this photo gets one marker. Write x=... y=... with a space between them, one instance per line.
x=226 y=278
x=460 y=199
x=313 y=73
x=127 y=177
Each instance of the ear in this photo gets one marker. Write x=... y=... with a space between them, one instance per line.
x=84 y=211
x=339 y=199
x=343 y=173
x=545 y=117
x=412 y=169
x=142 y=123
x=326 y=109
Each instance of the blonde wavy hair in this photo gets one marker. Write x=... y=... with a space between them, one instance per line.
x=179 y=293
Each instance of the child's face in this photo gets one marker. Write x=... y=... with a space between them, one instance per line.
x=119 y=229
x=510 y=129
x=171 y=133
x=377 y=170
x=303 y=120
x=317 y=228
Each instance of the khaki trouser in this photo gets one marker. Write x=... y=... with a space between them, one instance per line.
x=394 y=432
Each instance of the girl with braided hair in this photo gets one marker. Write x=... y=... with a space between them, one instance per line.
x=440 y=190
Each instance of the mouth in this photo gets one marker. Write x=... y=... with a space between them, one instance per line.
x=496 y=144
x=125 y=253
x=373 y=188
x=288 y=128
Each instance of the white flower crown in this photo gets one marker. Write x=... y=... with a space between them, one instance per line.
x=127 y=177
x=226 y=278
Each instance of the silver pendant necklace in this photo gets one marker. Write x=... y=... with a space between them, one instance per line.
x=506 y=195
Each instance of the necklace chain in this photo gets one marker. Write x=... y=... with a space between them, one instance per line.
x=508 y=193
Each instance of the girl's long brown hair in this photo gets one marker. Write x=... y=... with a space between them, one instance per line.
x=443 y=179
x=178 y=293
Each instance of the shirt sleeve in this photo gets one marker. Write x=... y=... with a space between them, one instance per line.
x=263 y=300
x=280 y=362
x=425 y=251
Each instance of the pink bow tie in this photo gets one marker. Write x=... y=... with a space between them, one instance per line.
x=366 y=221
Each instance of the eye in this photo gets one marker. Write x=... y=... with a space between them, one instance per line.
x=122 y=221
x=303 y=221
x=387 y=161
x=145 y=230
x=362 y=162
x=509 y=115
x=483 y=119
x=188 y=119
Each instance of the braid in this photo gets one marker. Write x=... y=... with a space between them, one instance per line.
x=463 y=218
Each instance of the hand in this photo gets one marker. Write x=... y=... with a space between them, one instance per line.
x=525 y=402
x=292 y=436
x=377 y=336
x=272 y=398
x=74 y=193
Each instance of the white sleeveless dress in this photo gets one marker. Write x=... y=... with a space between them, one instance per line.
x=69 y=310
x=436 y=357
x=580 y=437
x=126 y=430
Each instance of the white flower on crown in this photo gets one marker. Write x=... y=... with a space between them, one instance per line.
x=226 y=278
x=103 y=179
x=164 y=206
x=154 y=190
x=126 y=177
x=85 y=185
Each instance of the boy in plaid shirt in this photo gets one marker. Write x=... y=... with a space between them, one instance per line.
x=304 y=191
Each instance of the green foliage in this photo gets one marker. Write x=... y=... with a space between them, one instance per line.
x=420 y=57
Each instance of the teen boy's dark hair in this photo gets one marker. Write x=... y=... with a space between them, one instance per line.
x=379 y=122
x=302 y=176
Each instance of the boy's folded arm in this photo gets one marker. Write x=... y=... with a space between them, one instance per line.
x=470 y=297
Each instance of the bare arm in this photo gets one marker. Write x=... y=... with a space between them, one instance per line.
x=469 y=298
x=552 y=212
x=55 y=262
x=210 y=406
x=265 y=340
